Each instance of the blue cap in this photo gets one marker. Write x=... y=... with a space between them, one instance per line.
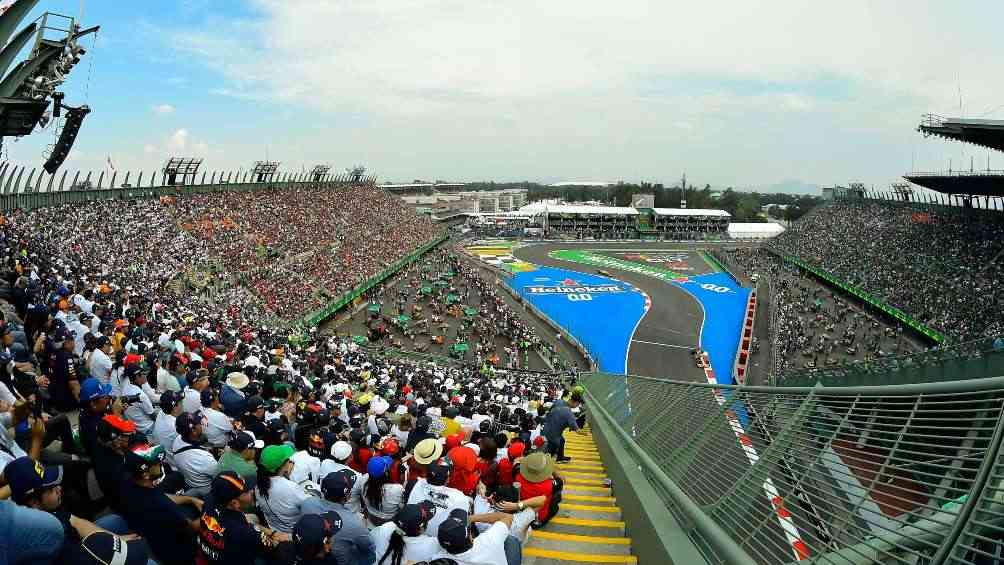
x=92 y=388
x=378 y=466
x=20 y=353
x=25 y=475
x=313 y=529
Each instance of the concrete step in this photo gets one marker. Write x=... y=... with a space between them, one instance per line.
x=582 y=466
x=582 y=474
x=585 y=527
x=584 y=481
x=588 y=511
x=587 y=499
x=586 y=490
x=535 y=556
x=583 y=544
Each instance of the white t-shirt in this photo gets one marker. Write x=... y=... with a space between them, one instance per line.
x=488 y=549
x=521 y=521
x=192 y=401
x=142 y=413
x=391 y=500
x=446 y=500
x=217 y=427
x=197 y=465
x=306 y=467
x=418 y=548
x=101 y=366
x=9 y=449
x=330 y=466
x=166 y=381
x=164 y=433
x=282 y=506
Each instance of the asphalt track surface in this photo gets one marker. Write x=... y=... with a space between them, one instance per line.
x=663 y=339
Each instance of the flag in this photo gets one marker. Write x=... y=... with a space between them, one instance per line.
x=921 y=218
x=110 y=165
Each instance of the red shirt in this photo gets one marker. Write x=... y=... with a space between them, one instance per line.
x=361 y=459
x=505 y=472
x=528 y=490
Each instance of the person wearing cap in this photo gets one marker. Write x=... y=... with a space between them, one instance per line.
x=307 y=462
x=164 y=431
x=464 y=476
x=197 y=382
x=380 y=498
x=217 y=424
x=240 y=454
x=112 y=443
x=39 y=488
x=560 y=418
x=139 y=406
x=254 y=419
x=540 y=485
x=191 y=456
x=278 y=498
x=312 y=538
x=494 y=546
x=95 y=404
x=433 y=489
x=341 y=452
x=406 y=538
x=100 y=364
x=232 y=395
x=352 y=544
x=169 y=523
x=226 y=537
x=64 y=384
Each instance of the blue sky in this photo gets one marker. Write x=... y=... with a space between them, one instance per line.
x=732 y=93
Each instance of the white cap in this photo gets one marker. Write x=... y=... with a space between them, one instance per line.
x=341 y=450
x=258 y=444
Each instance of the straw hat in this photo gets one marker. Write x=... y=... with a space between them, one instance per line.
x=536 y=467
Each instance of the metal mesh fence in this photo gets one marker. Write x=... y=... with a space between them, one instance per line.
x=893 y=474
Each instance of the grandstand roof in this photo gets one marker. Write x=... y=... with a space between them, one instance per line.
x=755 y=230
x=690 y=212
x=573 y=209
x=986 y=133
x=977 y=183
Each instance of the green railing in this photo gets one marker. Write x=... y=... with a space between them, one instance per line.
x=910 y=474
x=326 y=312
x=966 y=360
x=895 y=313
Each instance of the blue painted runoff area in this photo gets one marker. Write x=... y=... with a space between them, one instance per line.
x=600 y=312
x=724 y=304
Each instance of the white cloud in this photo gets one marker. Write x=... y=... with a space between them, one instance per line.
x=178 y=140
x=163 y=109
x=480 y=89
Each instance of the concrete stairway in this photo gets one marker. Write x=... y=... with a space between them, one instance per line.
x=588 y=527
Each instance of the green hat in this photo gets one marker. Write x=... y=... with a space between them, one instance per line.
x=275 y=456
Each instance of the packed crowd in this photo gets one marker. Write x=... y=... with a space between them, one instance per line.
x=447 y=301
x=811 y=326
x=204 y=437
x=940 y=265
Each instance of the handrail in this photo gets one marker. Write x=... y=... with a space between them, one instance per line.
x=910 y=473
x=710 y=530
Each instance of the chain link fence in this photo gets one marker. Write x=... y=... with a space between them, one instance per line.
x=906 y=474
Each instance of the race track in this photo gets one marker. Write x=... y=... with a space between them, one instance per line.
x=664 y=337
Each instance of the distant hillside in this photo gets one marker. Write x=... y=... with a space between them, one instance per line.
x=789 y=186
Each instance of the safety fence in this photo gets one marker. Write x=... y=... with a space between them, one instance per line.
x=868 y=299
x=910 y=474
x=326 y=312
x=966 y=360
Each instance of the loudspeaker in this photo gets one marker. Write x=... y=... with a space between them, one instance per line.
x=74 y=119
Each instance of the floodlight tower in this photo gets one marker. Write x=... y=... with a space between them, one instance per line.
x=319 y=172
x=263 y=171
x=25 y=92
x=356 y=173
x=902 y=190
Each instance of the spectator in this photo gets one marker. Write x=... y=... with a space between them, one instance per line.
x=191 y=456
x=240 y=455
x=352 y=543
x=405 y=539
x=225 y=536
x=278 y=498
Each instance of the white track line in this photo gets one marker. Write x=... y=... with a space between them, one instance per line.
x=663 y=344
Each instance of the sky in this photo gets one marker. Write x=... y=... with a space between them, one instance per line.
x=743 y=94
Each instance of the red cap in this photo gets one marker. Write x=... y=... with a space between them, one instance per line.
x=539 y=441
x=516 y=450
x=390 y=446
x=454 y=441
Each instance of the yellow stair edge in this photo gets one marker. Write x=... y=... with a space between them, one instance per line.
x=581 y=465
x=558 y=536
x=586 y=488
x=587 y=522
x=577 y=481
x=578 y=557
x=587 y=498
x=588 y=507
x=582 y=474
